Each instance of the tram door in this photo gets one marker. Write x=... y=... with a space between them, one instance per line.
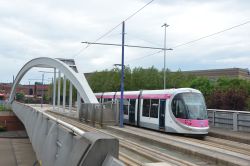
x=132 y=111
x=162 y=114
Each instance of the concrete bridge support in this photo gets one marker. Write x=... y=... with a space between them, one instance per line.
x=54 y=90
x=70 y=96
x=64 y=92
x=59 y=90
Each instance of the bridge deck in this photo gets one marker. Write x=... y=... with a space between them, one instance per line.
x=214 y=131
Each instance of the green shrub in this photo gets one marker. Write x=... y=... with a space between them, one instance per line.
x=5 y=108
x=2 y=128
x=1 y=108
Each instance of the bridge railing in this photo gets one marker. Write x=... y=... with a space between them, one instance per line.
x=235 y=120
x=58 y=143
x=100 y=114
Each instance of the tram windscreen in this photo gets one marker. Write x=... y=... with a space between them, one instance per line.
x=189 y=106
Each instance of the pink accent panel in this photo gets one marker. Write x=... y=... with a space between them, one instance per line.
x=98 y=96
x=127 y=96
x=193 y=123
x=156 y=96
x=108 y=96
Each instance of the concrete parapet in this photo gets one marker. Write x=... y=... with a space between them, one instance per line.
x=56 y=143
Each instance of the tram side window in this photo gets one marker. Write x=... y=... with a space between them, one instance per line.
x=132 y=105
x=125 y=106
x=154 y=108
x=107 y=100
x=146 y=107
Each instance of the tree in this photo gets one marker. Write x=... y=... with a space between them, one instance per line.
x=223 y=93
x=146 y=78
x=20 y=96
x=202 y=84
x=233 y=93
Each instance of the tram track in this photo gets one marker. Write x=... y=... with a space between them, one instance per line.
x=224 y=155
x=226 y=144
x=128 y=160
x=130 y=149
x=210 y=141
x=240 y=145
x=230 y=136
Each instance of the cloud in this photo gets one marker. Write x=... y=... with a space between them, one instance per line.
x=236 y=60
x=30 y=29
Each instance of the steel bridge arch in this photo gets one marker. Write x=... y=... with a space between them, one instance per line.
x=77 y=79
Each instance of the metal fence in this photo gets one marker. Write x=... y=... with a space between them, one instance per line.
x=235 y=120
x=100 y=114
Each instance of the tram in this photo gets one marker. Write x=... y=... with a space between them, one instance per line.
x=180 y=110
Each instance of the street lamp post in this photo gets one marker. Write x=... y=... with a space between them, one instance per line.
x=29 y=93
x=164 y=70
x=53 y=81
x=42 y=91
x=122 y=76
x=52 y=94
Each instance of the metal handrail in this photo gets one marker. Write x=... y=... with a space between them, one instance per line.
x=233 y=111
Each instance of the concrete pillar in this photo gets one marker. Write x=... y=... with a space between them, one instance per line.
x=78 y=104
x=214 y=112
x=235 y=121
x=70 y=96
x=64 y=92
x=54 y=90
x=59 y=88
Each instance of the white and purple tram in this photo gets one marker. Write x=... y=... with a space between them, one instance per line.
x=180 y=110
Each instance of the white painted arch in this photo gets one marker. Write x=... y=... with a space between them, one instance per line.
x=78 y=79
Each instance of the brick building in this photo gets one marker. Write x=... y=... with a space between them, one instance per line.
x=33 y=90
x=214 y=74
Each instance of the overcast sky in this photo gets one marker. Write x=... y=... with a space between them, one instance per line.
x=56 y=28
